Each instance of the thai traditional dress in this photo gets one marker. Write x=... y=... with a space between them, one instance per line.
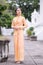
x=19 y=37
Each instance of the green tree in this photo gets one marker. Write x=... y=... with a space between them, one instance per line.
x=5 y=18
x=27 y=7
x=2 y=2
x=12 y=7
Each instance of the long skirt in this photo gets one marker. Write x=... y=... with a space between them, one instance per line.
x=19 y=45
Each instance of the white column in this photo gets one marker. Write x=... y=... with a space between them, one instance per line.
x=40 y=35
x=41 y=11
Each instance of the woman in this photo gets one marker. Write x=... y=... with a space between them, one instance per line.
x=18 y=24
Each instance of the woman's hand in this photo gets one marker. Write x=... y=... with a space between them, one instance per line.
x=16 y=27
x=21 y=27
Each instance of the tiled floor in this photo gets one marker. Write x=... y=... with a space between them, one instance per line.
x=33 y=54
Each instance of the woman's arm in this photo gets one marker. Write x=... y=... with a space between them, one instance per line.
x=15 y=27
x=24 y=24
x=13 y=24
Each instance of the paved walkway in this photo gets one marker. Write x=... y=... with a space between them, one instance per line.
x=33 y=54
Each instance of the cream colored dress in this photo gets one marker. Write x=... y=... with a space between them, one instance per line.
x=19 y=38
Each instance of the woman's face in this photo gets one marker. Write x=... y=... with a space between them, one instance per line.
x=18 y=11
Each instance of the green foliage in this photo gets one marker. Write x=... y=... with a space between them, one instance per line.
x=27 y=7
x=5 y=19
x=12 y=7
x=3 y=7
x=33 y=33
x=31 y=28
x=30 y=31
x=2 y=2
